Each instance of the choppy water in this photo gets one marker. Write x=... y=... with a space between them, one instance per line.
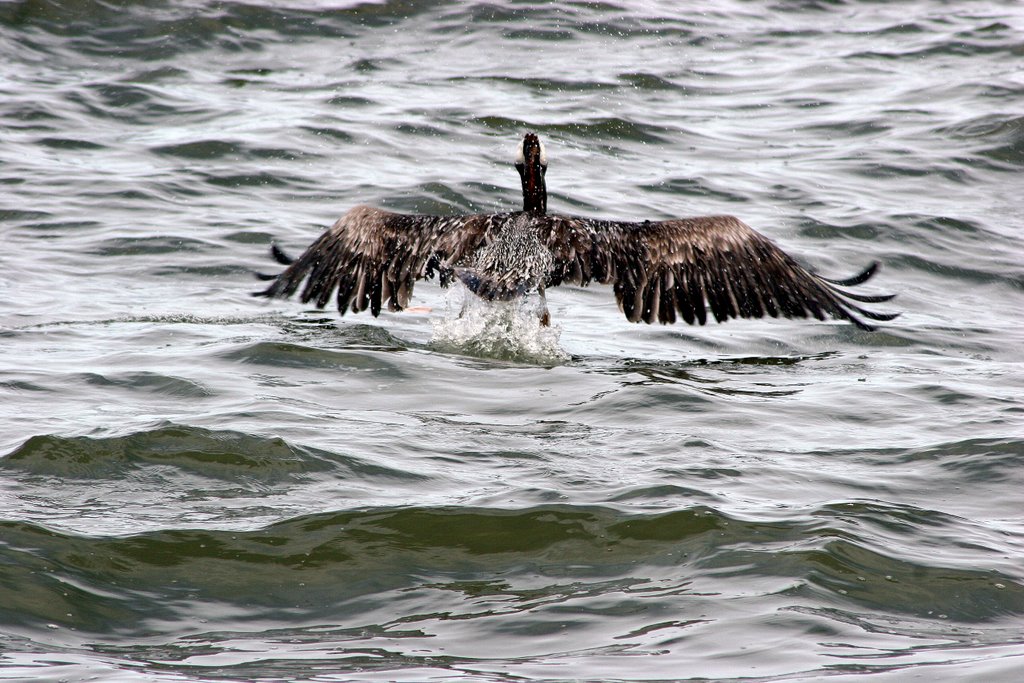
x=199 y=485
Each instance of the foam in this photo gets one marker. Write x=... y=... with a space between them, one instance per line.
x=503 y=330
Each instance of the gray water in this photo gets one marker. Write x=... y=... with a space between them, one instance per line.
x=199 y=485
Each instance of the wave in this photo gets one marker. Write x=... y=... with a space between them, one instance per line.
x=214 y=454
x=224 y=454
x=999 y=138
x=470 y=563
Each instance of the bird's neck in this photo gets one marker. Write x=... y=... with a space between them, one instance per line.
x=535 y=202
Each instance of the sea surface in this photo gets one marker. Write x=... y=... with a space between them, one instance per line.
x=200 y=485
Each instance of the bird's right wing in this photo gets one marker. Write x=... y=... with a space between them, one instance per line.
x=689 y=265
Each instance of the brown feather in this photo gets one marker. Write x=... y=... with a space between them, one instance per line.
x=370 y=257
x=693 y=265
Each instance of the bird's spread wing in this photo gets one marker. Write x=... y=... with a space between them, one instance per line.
x=372 y=256
x=659 y=270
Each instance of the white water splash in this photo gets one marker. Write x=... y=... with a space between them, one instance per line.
x=504 y=330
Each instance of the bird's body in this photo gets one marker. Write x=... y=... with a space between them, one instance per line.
x=659 y=271
x=512 y=262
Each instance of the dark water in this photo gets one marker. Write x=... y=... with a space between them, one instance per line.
x=199 y=485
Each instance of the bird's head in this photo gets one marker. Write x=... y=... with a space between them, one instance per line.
x=532 y=164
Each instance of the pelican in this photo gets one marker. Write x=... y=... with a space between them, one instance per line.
x=659 y=270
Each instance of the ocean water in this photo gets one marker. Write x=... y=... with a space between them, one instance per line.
x=199 y=485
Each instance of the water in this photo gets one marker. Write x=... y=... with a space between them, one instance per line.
x=200 y=485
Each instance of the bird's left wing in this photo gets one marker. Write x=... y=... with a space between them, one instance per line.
x=371 y=256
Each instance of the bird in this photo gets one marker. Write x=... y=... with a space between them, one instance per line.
x=690 y=269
